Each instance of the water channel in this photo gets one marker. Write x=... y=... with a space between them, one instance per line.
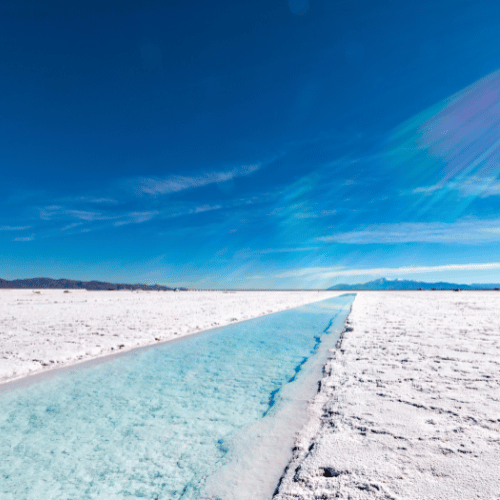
x=210 y=416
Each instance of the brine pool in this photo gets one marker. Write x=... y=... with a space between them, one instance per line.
x=210 y=416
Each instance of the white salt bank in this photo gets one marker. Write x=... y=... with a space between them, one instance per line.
x=44 y=329
x=211 y=416
x=409 y=407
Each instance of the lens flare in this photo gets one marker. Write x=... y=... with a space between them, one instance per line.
x=454 y=145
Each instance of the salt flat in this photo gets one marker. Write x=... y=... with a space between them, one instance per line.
x=41 y=330
x=409 y=406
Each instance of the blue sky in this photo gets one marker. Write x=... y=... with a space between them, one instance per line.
x=250 y=144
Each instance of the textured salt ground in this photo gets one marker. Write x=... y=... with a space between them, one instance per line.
x=42 y=330
x=409 y=407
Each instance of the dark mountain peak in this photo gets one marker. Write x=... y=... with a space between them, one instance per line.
x=50 y=283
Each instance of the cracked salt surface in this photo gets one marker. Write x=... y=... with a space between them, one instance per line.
x=409 y=406
x=211 y=416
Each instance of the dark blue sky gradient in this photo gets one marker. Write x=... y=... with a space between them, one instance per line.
x=245 y=144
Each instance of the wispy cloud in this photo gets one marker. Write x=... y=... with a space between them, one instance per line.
x=176 y=183
x=318 y=273
x=25 y=238
x=474 y=185
x=84 y=221
x=136 y=218
x=13 y=228
x=59 y=212
x=428 y=189
x=286 y=250
x=468 y=231
x=90 y=199
x=71 y=226
x=114 y=207
x=316 y=214
x=204 y=208
x=191 y=211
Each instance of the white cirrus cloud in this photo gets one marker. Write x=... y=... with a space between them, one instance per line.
x=318 y=273
x=411 y=270
x=474 y=185
x=286 y=250
x=315 y=214
x=465 y=231
x=14 y=228
x=176 y=183
x=136 y=218
x=205 y=208
x=25 y=238
x=59 y=212
x=71 y=226
x=109 y=201
x=192 y=211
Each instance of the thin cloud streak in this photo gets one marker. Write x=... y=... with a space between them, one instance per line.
x=410 y=270
x=467 y=231
x=14 y=228
x=136 y=218
x=107 y=201
x=482 y=187
x=285 y=250
x=205 y=208
x=71 y=226
x=58 y=212
x=79 y=213
x=25 y=238
x=317 y=273
x=174 y=184
x=315 y=215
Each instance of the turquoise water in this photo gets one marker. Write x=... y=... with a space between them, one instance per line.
x=156 y=423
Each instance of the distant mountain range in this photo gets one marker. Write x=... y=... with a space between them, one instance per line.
x=380 y=284
x=82 y=285
x=385 y=284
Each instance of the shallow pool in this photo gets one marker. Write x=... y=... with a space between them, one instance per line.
x=159 y=423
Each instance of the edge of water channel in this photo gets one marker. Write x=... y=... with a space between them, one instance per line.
x=261 y=453
x=80 y=365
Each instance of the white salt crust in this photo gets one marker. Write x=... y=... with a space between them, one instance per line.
x=46 y=329
x=409 y=407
